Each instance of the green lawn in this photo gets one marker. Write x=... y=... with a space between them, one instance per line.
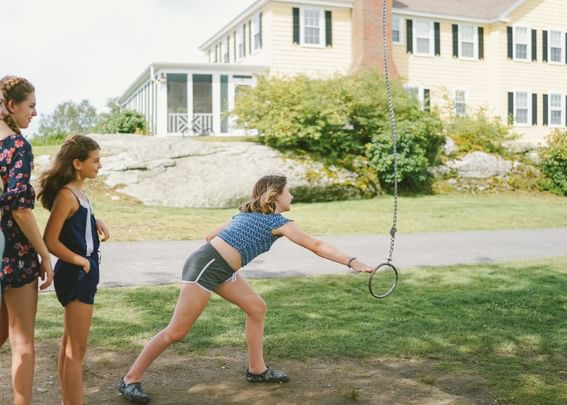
x=503 y=322
x=130 y=220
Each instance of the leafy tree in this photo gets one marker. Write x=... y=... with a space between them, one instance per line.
x=69 y=118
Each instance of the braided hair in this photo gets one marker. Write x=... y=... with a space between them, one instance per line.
x=15 y=89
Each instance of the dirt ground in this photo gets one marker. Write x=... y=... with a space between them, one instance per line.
x=217 y=377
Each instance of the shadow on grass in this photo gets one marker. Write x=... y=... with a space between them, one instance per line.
x=504 y=322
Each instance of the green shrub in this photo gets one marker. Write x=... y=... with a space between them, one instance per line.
x=121 y=121
x=51 y=139
x=554 y=162
x=419 y=144
x=342 y=119
x=478 y=132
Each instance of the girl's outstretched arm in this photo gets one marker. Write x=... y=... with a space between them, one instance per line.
x=65 y=205
x=217 y=230
x=320 y=248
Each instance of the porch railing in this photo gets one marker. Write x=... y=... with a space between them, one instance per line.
x=199 y=124
x=202 y=124
x=178 y=123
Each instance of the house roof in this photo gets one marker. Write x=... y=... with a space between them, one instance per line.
x=483 y=10
x=476 y=10
x=204 y=67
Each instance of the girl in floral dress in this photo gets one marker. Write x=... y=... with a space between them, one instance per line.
x=21 y=266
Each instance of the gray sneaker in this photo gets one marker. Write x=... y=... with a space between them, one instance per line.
x=133 y=392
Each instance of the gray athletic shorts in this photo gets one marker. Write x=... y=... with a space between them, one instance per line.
x=207 y=268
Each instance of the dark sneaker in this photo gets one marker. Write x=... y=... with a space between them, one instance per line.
x=270 y=375
x=133 y=392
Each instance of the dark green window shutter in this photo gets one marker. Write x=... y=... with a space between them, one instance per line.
x=234 y=43
x=437 y=30
x=544 y=45
x=534 y=109
x=295 y=25
x=244 y=40
x=455 y=29
x=510 y=108
x=249 y=36
x=480 y=42
x=426 y=100
x=534 y=45
x=328 y=28
x=510 y=40
x=409 y=36
x=545 y=109
x=260 y=28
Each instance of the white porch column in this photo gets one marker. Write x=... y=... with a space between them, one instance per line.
x=161 y=97
x=190 y=100
x=216 y=104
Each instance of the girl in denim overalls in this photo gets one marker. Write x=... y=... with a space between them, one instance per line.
x=71 y=234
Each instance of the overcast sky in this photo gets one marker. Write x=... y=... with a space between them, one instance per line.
x=80 y=49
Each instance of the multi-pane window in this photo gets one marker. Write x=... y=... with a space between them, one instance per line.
x=468 y=41
x=396 y=29
x=521 y=108
x=257 y=31
x=460 y=103
x=555 y=46
x=312 y=23
x=555 y=110
x=521 y=43
x=423 y=37
x=240 y=42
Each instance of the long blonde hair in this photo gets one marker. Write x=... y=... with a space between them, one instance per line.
x=15 y=89
x=264 y=194
x=62 y=171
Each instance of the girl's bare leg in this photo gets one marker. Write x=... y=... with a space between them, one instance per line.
x=241 y=294
x=78 y=316
x=21 y=306
x=190 y=304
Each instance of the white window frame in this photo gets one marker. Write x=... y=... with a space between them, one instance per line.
x=561 y=46
x=561 y=109
x=398 y=25
x=528 y=44
x=240 y=43
x=465 y=99
x=420 y=93
x=431 y=31
x=322 y=30
x=474 y=42
x=256 y=33
x=528 y=108
x=211 y=53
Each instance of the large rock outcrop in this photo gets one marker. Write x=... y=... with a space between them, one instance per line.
x=185 y=172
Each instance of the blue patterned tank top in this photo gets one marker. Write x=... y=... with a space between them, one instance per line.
x=251 y=233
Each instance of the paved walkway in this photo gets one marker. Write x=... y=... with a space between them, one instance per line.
x=160 y=262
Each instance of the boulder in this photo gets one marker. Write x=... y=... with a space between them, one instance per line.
x=185 y=172
x=480 y=165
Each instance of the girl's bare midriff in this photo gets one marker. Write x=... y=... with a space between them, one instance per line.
x=228 y=253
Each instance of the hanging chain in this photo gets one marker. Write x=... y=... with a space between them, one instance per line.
x=393 y=230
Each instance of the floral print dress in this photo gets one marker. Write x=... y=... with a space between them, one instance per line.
x=20 y=264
